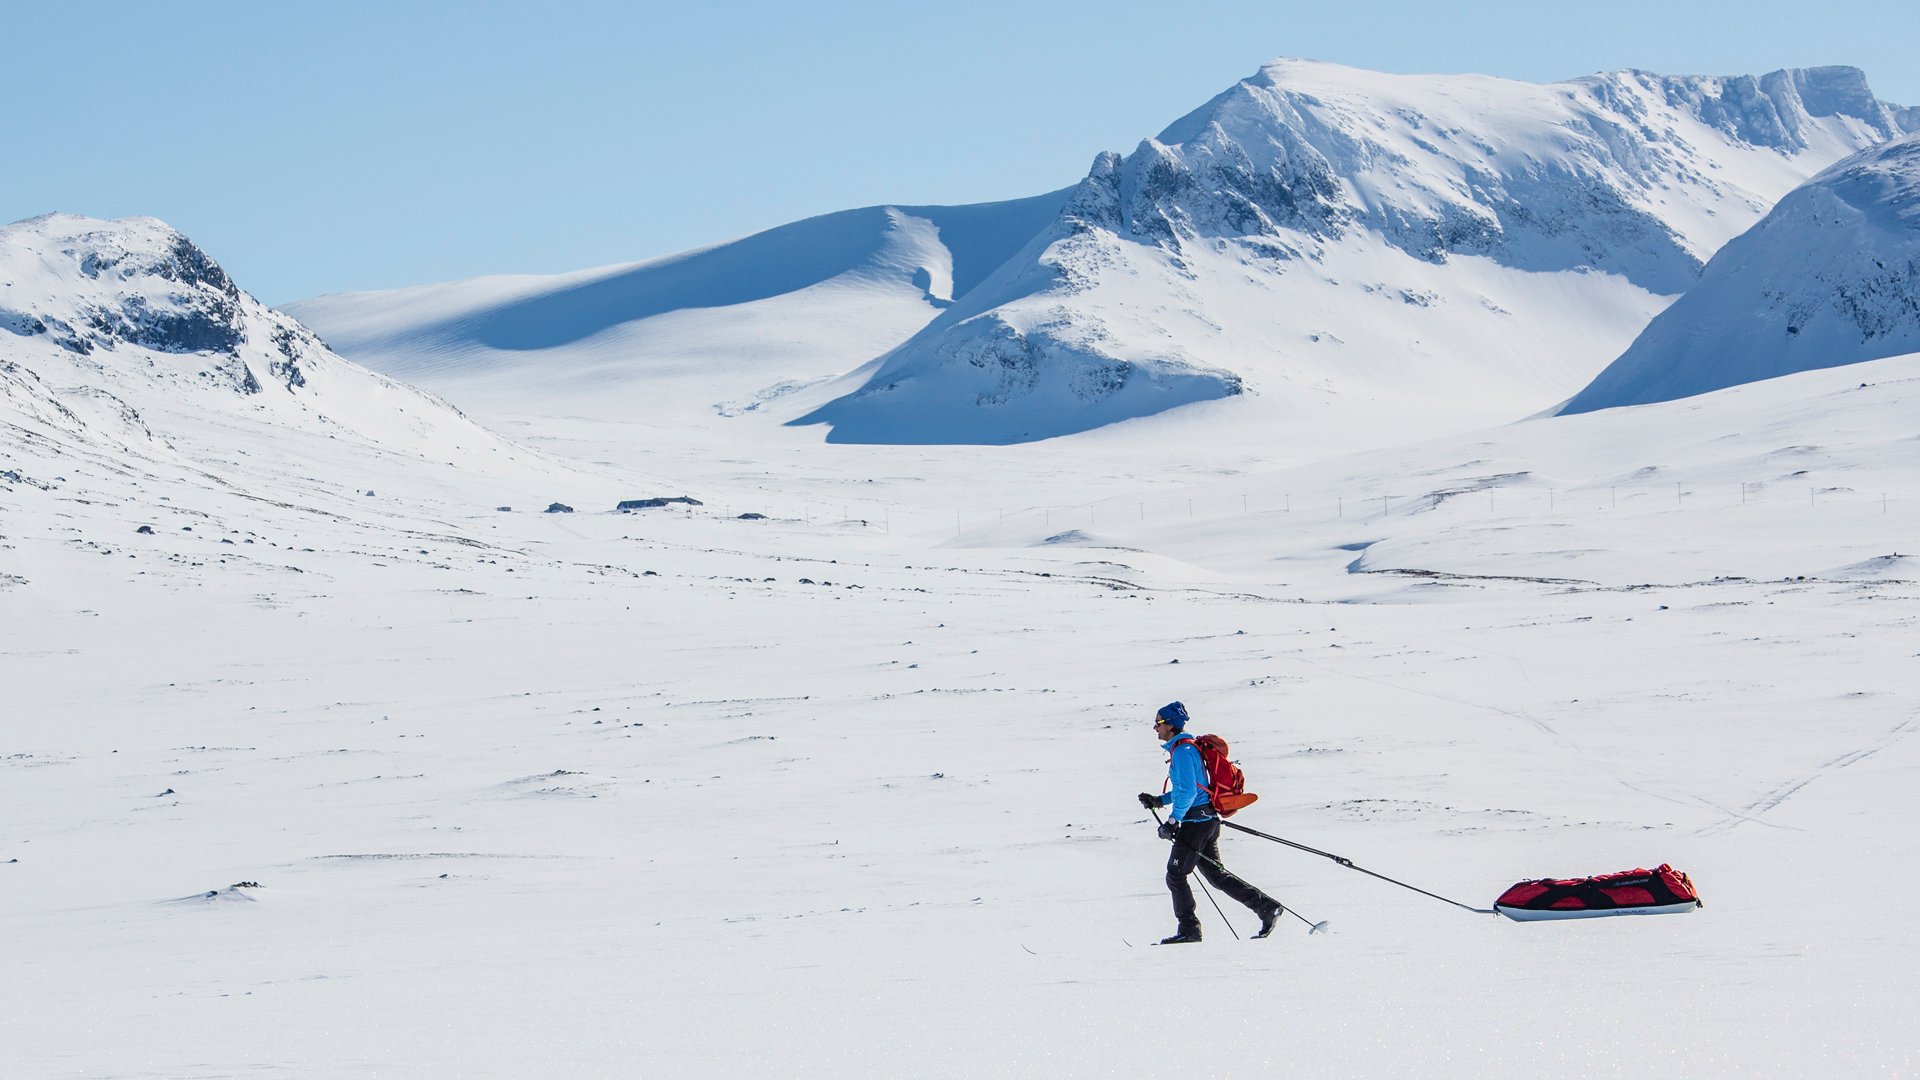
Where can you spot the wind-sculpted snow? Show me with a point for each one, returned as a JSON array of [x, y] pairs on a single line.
[[1830, 277], [774, 263], [878, 266], [1624, 179]]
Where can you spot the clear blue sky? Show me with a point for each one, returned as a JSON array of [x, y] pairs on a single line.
[[323, 147]]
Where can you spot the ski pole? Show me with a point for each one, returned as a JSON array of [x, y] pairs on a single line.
[[1348, 863], [1203, 882], [1312, 927]]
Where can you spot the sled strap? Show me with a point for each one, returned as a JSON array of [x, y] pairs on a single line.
[[1348, 863]]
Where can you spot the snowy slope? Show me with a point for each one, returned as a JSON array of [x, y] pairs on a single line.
[[140, 386], [599, 795], [1353, 239], [794, 303], [1808, 474], [1830, 277]]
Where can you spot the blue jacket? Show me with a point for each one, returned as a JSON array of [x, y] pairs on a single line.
[[1186, 781]]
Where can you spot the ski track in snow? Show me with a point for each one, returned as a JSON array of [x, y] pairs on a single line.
[[1753, 811]]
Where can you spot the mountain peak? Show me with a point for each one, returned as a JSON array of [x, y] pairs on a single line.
[[1539, 177], [123, 247], [1782, 110], [133, 313], [92, 284]]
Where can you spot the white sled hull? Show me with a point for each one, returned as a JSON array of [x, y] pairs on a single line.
[[1535, 915]]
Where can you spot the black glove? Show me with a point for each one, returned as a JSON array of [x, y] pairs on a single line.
[[1169, 830], [1150, 802]]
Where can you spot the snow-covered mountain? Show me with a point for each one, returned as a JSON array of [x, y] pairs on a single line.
[[1349, 237], [1332, 256], [1830, 277], [119, 326]]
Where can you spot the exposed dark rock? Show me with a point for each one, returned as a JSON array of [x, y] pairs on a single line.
[[287, 340], [652, 504], [21, 324]]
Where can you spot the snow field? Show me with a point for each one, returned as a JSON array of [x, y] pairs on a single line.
[[768, 876]]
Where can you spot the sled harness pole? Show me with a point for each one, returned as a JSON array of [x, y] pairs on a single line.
[[1203, 884], [1348, 863], [1312, 927]]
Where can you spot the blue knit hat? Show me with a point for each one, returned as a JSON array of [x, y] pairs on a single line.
[[1174, 715]]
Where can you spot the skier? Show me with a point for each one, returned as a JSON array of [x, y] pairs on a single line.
[[1195, 832]]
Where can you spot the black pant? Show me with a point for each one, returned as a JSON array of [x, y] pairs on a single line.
[[1197, 846]]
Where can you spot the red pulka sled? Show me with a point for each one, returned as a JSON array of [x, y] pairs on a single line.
[[1663, 891]]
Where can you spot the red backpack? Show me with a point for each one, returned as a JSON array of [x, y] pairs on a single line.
[[1226, 784]]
